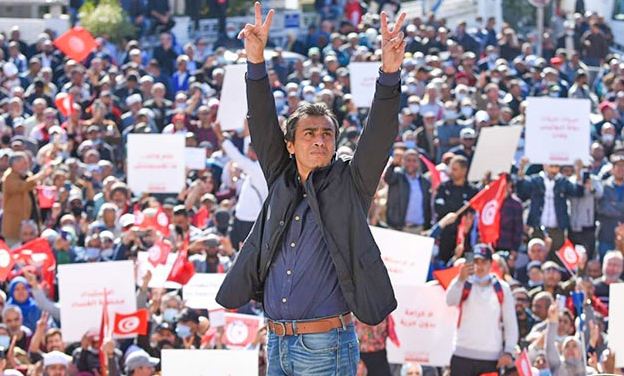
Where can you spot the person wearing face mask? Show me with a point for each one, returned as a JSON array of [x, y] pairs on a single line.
[[187, 329], [229, 39], [466, 147], [607, 137], [487, 329], [427, 137], [170, 307], [449, 129]]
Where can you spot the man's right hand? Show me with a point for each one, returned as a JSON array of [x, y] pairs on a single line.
[[256, 36], [465, 271]]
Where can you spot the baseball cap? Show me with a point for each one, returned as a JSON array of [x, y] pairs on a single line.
[[551, 265], [534, 264], [467, 133], [126, 220], [188, 315], [140, 358], [54, 358], [482, 251], [616, 158], [606, 104]]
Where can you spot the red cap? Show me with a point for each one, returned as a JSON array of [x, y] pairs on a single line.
[[606, 104], [556, 60]]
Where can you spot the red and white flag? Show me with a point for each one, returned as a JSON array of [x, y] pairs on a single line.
[[38, 253], [569, 256], [46, 195], [158, 253], [134, 323], [64, 103], [240, 330], [77, 43], [6, 261], [106, 334], [523, 364], [157, 221], [488, 203], [182, 270]]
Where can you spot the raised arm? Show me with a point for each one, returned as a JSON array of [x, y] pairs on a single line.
[[382, 125], [266, 134]]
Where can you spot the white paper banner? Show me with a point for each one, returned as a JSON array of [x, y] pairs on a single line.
[[233, 102], [616, 322], [195, 158], [363, 78], [494, 151], [209, 362], [406, 256], [425, 326], [200, 292], [81, 288], [156, 163], [557, 130]]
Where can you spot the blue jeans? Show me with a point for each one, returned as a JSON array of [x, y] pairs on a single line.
[[334, 353]]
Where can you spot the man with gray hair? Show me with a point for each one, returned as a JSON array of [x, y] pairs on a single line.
[[18, 196], [14, 320]]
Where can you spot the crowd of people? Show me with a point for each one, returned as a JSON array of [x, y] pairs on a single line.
[[455, 81]]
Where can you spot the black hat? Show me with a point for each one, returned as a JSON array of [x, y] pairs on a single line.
[[482, 251], [188, 315]]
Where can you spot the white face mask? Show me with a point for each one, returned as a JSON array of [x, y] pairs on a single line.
[[450, 114], [309, 97], [414, 108], [607, 138], [460, 96], [467, 111], [231, 34]]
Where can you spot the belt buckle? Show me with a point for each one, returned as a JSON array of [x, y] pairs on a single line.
[[277, 325]]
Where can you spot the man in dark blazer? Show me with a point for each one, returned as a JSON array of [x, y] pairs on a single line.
[[310, 257], [409, 195]]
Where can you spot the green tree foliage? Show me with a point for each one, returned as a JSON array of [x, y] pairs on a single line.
[[106, 18]]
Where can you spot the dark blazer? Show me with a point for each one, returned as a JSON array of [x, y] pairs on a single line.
[[533, 188], [398, 197], [339, 196]]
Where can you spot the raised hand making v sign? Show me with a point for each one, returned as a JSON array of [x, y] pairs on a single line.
[[392, 44], [256, 36]]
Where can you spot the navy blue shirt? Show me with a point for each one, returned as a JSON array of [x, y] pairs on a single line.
[[302, 282]]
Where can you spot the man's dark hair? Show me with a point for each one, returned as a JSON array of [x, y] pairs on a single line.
[[461, 160], [308, 109]]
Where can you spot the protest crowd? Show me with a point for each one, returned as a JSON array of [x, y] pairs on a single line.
[[66, 199]]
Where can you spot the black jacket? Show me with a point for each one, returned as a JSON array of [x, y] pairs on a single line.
[[339, 196], [398, 197]]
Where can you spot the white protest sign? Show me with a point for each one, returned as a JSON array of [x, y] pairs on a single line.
[[363, 78], [240, 330], [209, 362], [495, 151], [406, 256], [557, 130], [82, 287], [160, 272], [195, 158], [156, 163], [616, 322], [233, 102], [200, 292], [425, 326]]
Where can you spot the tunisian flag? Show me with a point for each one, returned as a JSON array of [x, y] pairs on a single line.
[[64, 103], [106, 334], [46, 195], [134, 323], [158, 221], [523, 364], [182, 270], [158, 253], [488, 203], [569, 256], [76, 43], [38, 253], [6, 261]]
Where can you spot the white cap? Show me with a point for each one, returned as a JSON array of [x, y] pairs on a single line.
[[126, 220], [9, 69], [55, 358], [132, 99]]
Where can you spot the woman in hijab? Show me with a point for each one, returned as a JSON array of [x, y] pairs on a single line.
[[569, 361], [19, 295]]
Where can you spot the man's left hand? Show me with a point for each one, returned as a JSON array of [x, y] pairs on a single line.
[[392, 44], [504, 361]]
